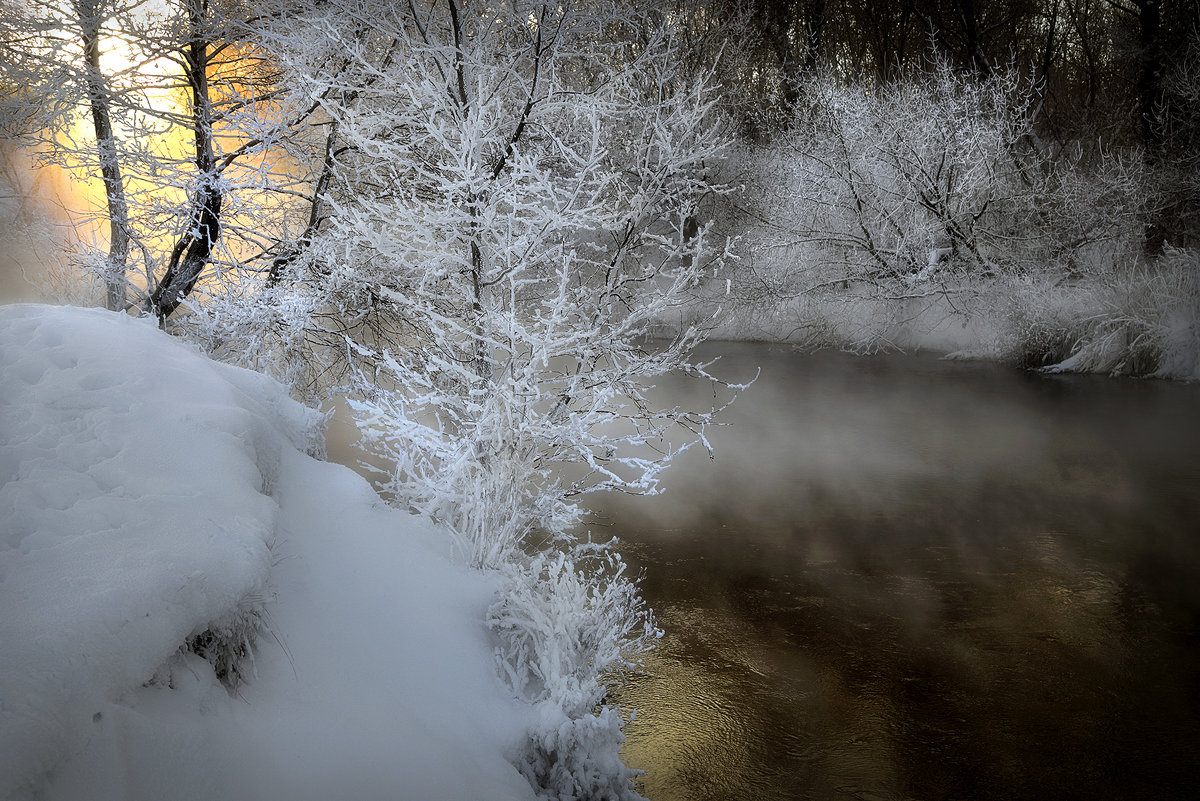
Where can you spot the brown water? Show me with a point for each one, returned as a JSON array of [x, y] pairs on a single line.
[[904, 578]]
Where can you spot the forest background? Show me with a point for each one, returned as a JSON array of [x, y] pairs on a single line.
[[1014, 178]]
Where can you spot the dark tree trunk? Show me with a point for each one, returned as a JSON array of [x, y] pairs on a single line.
[[193, 251], [191, 254], [316, 211], [1149, 71]]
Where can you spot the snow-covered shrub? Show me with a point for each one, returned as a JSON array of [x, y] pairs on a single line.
[[1142, 321], [572, 758], [271, 330], [913, 178], [566, 623], [927, 211], [71, 279], [1142, 328], [229, 643], [881, 200], [1035, 322], [1181, 356], [1091, 209], [937, 175]]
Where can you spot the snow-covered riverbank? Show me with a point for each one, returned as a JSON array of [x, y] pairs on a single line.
[[150, 496]]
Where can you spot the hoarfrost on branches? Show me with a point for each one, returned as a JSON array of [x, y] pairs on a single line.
[[511, 243]]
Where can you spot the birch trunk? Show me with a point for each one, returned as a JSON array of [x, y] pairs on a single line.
[[110, 164]]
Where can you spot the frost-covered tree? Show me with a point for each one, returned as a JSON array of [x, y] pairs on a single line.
[[919, 176], [50, 75], [508, 247], [939, 179], [510, 217], [251, 178], [173, 110], [886, 211]]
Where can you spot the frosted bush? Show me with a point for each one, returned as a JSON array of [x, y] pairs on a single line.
[[917, 177], [1181, 358], [229, 644], [926, 211], [568, 621], [1091, 212], [571, 758], [1140, 321], [69, 279]]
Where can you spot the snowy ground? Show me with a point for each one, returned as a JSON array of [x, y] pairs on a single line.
[[149, 494]]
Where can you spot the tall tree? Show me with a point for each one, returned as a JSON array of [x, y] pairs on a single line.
[[512, 214], [52, 68], [204, 173], [91, 19], [515, 188], [194, 248]]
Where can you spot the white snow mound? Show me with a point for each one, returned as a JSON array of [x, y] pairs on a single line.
[[145, 494]]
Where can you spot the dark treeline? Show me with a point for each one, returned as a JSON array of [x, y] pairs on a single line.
[[1100, 64]]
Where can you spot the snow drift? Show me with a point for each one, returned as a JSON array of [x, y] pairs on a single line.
[[152, 498]]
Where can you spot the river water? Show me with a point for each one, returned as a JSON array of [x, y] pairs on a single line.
[[908, 578]]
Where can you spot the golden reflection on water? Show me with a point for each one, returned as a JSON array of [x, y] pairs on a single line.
[[782, 699], [695, 733]]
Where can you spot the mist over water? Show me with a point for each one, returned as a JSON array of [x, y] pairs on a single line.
[[901, 577]]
